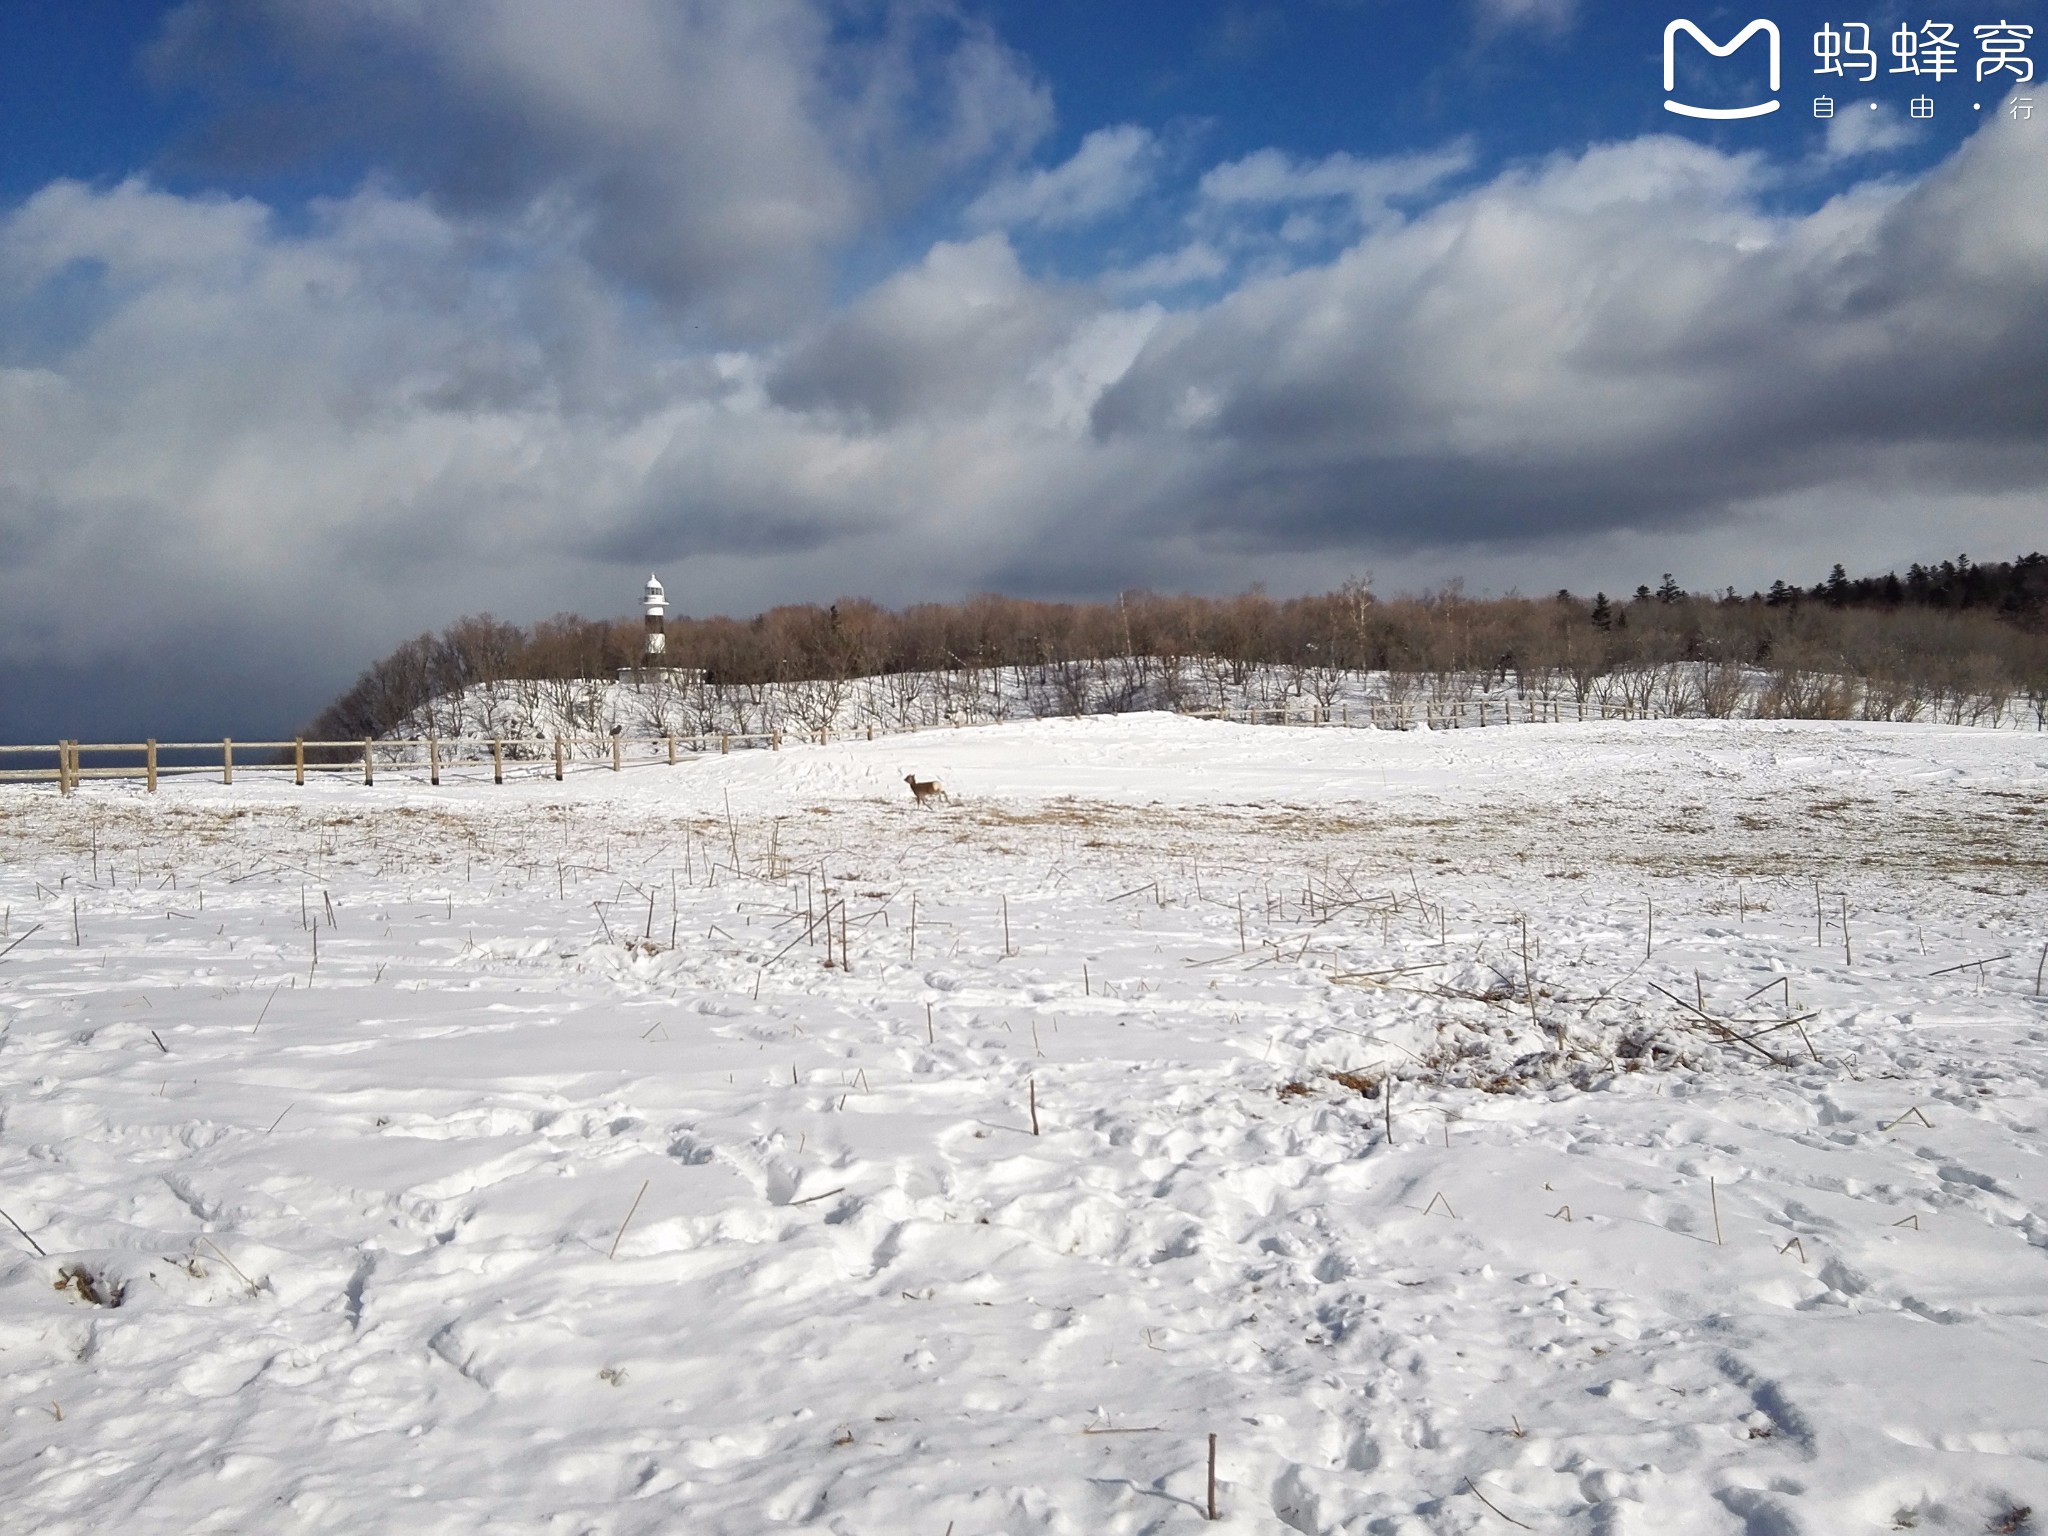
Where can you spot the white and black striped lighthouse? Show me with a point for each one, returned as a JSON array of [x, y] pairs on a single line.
[[657, 629]]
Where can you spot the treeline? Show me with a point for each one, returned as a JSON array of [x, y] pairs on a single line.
[[2015, 590], [1957, 629]]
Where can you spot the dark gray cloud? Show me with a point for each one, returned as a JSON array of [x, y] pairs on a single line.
[[716, 155], [1624, 338], [950, 336]]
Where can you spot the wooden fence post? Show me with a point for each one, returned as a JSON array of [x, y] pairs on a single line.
[[671, 749], [64, 767], [299, 761], [725, 743], [149, 763], [558, 759], [369, 770], [433, 760], [615, 753], [227, 760], [497, 761]]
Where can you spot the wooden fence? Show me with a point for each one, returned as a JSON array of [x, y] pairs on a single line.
[[146, 760]]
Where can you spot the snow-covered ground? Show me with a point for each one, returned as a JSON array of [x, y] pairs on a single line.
[[1709, 1196]]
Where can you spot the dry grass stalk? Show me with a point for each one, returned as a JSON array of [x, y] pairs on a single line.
[[614, 1253], [254, 1288], [1528, 978], [1967, 964], [20, 941], [1912, 1114], [1473, 1489], [1212, 1477], [24, 1236], [1809, 1041], [1723, 1027]]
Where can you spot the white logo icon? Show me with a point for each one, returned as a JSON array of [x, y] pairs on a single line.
[[1719, 51]]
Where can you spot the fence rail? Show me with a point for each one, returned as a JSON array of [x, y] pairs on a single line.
[[68, 768]]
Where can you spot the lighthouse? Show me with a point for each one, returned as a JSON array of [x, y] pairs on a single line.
[[657, 633]]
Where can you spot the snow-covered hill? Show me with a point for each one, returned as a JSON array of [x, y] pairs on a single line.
[[1599, 1128], [647, 707]]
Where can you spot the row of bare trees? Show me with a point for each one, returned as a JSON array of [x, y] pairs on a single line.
[[1683, 654]]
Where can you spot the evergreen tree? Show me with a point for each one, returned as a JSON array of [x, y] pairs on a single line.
[[1603, 611]]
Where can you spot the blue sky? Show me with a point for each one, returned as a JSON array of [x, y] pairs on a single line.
[[322, 324], [1312, 76]]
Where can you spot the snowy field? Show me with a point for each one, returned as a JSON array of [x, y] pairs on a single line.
[[1579, 1128]]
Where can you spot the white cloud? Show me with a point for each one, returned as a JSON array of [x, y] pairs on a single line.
[[1196, 262], [1866, 128], [1111, 169], [1268, 178]]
